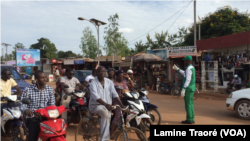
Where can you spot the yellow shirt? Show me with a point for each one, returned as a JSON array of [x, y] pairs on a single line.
[[6, 86]]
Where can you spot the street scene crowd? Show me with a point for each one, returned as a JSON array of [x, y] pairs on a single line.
[[83, 94]]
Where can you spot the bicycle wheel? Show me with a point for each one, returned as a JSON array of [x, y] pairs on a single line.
[[87, 132], [131, 134], [175, 91], [196, 94]]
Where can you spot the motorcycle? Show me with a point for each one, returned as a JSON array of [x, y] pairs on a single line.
[[11, 123], [164, 88], [137, 116], [230, 88], [150, 108], [52, 129], [78, 109]]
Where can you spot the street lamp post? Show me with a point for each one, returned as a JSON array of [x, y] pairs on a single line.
[[96, 23]]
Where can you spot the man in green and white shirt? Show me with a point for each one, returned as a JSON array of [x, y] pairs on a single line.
[[188, 88]]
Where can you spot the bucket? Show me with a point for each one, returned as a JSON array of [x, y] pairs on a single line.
[[148, 88], [51, 78]]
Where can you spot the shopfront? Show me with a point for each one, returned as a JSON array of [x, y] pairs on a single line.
[[231, 52], [79, 64]]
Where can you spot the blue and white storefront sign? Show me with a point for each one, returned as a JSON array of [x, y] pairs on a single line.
[[78, 62]]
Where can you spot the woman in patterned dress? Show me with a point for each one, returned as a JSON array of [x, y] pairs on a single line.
[[123, 84]]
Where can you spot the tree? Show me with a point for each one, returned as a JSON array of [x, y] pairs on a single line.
[[115, 42], [50, 48], [224, 21], [40, 45], [17, 45], [61, 54], [163, 40], [89, 44]]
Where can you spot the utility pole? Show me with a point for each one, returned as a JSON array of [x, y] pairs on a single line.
[[6, 45], [2, 53], [194, 22]]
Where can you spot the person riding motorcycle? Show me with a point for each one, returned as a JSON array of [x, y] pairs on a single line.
[[73, 83], [6, 83], [234, 85], [41, 96]]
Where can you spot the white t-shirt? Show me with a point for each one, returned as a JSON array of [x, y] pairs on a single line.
[[57, 72], [70, 82], [89, 78]]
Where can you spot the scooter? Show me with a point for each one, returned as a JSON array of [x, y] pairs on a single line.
[[150, 108], [137, 115], [11, 123], [54, 128], [78, 109]]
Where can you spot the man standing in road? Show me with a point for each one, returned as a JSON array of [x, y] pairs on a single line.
[[102, 91], [188, 88]]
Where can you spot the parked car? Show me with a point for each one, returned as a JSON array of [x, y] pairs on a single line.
[[16, 76], [239, 102], [82, 74]]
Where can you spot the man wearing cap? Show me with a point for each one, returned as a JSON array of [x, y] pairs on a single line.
[[236, 80], [188, 88]]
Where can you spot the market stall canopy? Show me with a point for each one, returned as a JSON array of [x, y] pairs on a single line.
[[148, 57]]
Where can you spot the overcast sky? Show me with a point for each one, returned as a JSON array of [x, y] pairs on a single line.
[[27, 21]]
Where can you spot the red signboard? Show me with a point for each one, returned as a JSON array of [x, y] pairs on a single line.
[[53, 60]]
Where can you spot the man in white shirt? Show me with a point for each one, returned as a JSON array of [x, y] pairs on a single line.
[[90, 77], [102, 91], [57, 74], [72, 82]]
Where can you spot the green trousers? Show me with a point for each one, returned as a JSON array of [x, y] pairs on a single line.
[[189, 106]]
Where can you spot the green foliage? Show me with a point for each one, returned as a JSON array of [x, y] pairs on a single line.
[[17, 45], [224, 21], [40, 45], [89, 45], [50, 48], [114, 41]]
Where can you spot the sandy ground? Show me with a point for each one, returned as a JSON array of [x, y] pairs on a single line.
[[209, 110]]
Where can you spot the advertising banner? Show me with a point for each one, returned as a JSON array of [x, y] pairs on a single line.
[[160, 53], [27, 57], [109, 58], [78, 62], [182, 51]]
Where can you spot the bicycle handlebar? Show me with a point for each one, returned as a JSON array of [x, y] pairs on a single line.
[[123, 109]]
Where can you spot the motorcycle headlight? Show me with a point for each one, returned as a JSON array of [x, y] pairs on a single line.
[[136, 95], [230, 96], [53, 113], [145, 92], [16, 113], [81, 94], [47, 132]]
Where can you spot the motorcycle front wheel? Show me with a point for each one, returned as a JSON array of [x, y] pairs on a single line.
[[155, 116], [17, 133]]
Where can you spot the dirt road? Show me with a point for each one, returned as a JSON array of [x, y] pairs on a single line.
[[207, 112]]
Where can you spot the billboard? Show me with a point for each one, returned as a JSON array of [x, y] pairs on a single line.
[[27, 57], [182, 51], [160, 53]]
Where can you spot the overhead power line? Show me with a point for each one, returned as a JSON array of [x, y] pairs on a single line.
[[161, 23]]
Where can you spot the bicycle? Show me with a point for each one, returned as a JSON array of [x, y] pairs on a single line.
[[176, 92], [90, 132]]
